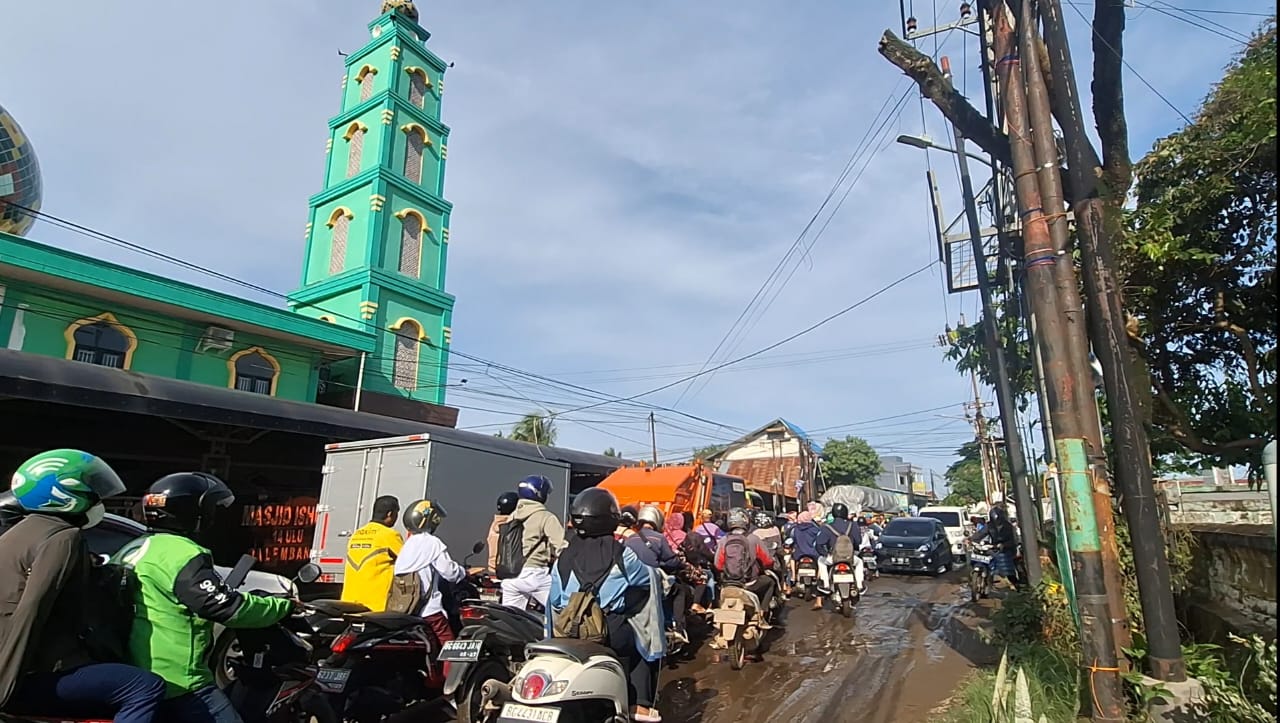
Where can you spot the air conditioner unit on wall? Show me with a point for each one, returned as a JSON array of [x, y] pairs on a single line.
[[215, 338]]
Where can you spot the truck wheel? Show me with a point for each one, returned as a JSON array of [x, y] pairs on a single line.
[[485, 670]]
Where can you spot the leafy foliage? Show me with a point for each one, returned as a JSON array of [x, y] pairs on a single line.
[[611, 452], [850, 461], [534, 429], [968, 348], [705, 453], [1199, 264]]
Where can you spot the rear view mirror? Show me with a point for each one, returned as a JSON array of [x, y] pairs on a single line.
[[240, 571], [476, 548], [308, 573]]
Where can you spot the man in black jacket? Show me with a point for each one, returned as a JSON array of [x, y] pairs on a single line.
[[45, 593]]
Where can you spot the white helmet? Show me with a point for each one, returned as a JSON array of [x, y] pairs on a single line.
[[651, 515]]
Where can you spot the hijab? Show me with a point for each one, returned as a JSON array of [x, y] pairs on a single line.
[[674, 529], [589, 559], [805, 517]]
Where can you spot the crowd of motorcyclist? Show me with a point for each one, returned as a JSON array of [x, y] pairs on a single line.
[[648, 572]]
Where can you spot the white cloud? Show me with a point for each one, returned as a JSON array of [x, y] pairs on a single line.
[[624, 177]]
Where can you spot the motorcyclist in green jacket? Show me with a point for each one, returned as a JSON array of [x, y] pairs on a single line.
[[181, 596]]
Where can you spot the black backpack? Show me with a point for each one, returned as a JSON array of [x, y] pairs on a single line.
[[511, 557], [110, 608]]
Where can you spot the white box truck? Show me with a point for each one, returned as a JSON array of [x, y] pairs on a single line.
[[463, 471]]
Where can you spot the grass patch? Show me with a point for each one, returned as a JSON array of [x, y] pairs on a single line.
[[1051, 680]]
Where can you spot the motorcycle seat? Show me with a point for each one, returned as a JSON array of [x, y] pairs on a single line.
[[579, 651], [337, 608], [389, 621]]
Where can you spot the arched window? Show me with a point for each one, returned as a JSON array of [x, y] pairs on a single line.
[[408, 339], [254, 370], [340, 223], [101, 342], [415, 141], [410, 243], [418, 85], [355, 148], [365, 78]]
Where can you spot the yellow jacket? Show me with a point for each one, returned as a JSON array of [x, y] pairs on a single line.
[[371, 559]]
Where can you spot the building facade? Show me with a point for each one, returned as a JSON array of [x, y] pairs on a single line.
[[778, 460]]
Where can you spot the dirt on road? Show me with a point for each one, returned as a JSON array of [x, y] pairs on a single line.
[[909, 643]]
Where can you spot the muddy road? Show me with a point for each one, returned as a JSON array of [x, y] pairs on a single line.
[[909, 643]]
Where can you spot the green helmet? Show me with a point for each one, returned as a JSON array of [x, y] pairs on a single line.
[[64, 482]]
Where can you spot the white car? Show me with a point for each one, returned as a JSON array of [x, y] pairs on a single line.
[[956, 523]]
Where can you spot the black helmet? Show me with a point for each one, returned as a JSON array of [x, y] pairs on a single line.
[[423, 516], [185, 502], [595, 513], [507, 502], [629, 516], [840, 511]]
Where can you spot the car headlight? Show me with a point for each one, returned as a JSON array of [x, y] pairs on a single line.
[[922, 548], [879, 545]]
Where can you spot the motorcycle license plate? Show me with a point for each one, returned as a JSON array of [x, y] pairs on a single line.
[[333, 680], [980, 559], [808, 572], [842, 578], [461, 651], [490, 596], [514, 712], [733, 617]]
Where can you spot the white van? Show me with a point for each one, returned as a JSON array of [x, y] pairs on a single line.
[[956, 522]]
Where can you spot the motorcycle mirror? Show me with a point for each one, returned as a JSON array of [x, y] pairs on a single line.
[[240, 571], [476, 548], [308, 573]]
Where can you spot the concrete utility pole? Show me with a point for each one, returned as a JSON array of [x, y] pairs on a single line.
[[1045, 265], [1132, 448], [653, 436], [1000, 370]]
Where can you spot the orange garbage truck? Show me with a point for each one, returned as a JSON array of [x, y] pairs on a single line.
[[688, 488]]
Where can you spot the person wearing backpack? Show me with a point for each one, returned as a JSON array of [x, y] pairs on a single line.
[[602, 592], [371, 556], [527, 545], [181, 596], [46, 596], [847, 539], [506, 505], [811, 540], [423, 562], [742, 559]]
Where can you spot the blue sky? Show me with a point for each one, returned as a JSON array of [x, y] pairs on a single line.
[[624, 177]]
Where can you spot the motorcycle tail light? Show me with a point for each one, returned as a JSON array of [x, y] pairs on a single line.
[[533, 685], [471, 613], [342, 643], [841, 567]]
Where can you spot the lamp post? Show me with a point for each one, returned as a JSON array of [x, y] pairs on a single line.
[[926, 143]]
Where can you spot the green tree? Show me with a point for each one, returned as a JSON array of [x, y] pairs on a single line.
[[611, 452], [964, 477], [850, 461], [705, 453], [1198, 266], [534, 429]]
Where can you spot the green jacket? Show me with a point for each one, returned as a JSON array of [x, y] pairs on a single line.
[[180, 597]]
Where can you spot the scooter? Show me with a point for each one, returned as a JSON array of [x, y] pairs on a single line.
[[807, 576], [490, 646], [870, 569], [844, 587], [737, 622], [564, 681], [980, 557]]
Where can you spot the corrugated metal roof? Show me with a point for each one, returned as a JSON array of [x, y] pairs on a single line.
[[796, 430]]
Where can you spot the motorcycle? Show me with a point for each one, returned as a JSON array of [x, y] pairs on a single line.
[[564, 681], [807, 576], [737, 622], [870, 569], [980, 558], [844, 587], [490, 646]]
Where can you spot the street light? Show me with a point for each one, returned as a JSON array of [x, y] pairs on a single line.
[[926, 142]]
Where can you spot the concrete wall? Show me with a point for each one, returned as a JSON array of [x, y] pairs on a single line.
[[1217, 508], [1236, 569]]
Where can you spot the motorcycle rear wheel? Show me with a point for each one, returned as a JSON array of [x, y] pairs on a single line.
[[737, 655], [846, 608], [469, 702], [975, 584]]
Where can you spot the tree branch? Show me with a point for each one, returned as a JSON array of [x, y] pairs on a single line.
[[1108, 97], [921, 68], [1247, 350]]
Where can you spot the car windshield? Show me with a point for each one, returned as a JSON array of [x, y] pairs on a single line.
[[948, 519], [909, 528]]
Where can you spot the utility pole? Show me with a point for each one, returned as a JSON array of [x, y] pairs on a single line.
[[1066, 385], [1000, 371], [653, 437], [1131, 446], [990, 475]]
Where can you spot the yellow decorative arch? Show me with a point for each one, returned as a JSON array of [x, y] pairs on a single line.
[[422, 220], [415, 70], [422, 334], [231, 366], [354, 128], [366, 70], [327, 318], [337, 212], [110, 319], [415, 128]]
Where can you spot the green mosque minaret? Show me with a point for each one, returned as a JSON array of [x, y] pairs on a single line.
[[377, 233]]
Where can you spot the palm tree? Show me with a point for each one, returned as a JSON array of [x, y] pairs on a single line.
[[535, 429]]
